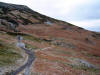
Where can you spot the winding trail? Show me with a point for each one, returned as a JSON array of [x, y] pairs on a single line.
[[27, 65]]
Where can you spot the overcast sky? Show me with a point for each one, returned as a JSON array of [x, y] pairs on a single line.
[[83, 13]]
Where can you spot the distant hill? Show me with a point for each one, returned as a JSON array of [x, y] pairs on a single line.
[[73, 50]]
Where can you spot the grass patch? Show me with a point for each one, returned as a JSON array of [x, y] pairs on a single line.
[[32, 38], [7, 54], [30, 46]]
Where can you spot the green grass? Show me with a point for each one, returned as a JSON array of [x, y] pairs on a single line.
[[7, 54], [30, 46], [32, 38]]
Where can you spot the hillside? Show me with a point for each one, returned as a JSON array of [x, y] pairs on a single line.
[[60, 47]]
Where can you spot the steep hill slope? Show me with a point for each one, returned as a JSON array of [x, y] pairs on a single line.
[[71, 49]]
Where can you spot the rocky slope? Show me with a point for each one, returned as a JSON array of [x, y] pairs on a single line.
[[73, 50]]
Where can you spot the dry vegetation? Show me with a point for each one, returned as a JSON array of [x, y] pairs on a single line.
[[74, 50], [8, 51]]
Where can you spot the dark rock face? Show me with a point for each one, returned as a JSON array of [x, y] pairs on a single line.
[[7, 7], [96, 35], [20, 14], [8, 25], [7, 15]]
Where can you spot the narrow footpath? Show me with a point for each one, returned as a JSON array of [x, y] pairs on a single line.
[[27, 65]]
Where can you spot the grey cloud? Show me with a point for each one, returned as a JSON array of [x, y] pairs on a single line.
[[86, 12], [95, 28]]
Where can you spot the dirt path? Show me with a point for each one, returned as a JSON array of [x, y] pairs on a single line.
[[27, 65]]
